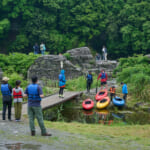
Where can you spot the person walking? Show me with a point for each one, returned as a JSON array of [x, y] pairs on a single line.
[[35, 94], [104, 78], [18, 99], [112, 92], [62, 82], [6, 90], [104, 52], [89, 79], [124, 91], [42, 48]]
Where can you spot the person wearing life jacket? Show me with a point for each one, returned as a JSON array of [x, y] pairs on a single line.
[[89, 79], [124, 91], [112, 92], [104, 78], [35, 94], [62, 83], [6, 90], [18, 99]]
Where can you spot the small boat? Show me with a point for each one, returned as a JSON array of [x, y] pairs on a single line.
[[103, 103], [101, 94], [88, 104], [118, 101]]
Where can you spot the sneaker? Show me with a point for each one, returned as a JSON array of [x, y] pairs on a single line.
[[46, 134], [60, 95]]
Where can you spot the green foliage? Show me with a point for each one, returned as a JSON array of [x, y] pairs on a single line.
[[123, 26], [13, 77], [79, 84], [136, 72], [67, 55], [17, 62]]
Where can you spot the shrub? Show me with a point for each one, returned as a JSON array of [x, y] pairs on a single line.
[[67, 55]]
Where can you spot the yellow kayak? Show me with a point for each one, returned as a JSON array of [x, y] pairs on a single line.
[[103, 103]]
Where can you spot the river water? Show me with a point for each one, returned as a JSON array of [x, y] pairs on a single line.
[[72, 111]]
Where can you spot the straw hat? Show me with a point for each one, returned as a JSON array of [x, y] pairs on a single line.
[[5, 79]]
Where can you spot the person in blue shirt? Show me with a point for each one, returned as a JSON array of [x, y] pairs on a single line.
[[62, 83], [35, 95], [36, 48], [6, 91], [124, 90], [89, 79]]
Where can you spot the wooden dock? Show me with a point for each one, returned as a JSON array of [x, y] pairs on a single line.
[[53, 100]]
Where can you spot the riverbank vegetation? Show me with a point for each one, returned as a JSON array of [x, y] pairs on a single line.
[[135, 71], [123, 26]]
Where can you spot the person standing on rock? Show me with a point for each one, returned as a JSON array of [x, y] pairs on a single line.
[[104, 78], [42, 48], [124, 91], [36, 48], [104, 52], [18, 99], [6, 90], [35, 95], [62, 83], [89, 79]]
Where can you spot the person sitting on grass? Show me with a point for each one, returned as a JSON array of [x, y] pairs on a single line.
[[35, 95], [18, 99]]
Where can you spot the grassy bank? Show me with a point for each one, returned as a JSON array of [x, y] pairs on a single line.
[[99, 136]]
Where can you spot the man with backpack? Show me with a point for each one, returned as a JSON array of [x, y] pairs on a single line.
[[104, 78], [6, 90], [89, 79], [42, 48]]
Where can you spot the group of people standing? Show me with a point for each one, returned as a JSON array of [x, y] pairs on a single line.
[[104, 77], [39, 49], [34, 93], [104, 54]]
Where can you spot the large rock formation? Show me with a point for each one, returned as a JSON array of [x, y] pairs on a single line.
[[48, 67], [108, 66], [81, 57], [81, 61]]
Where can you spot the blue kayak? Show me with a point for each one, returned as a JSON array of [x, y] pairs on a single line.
[[118, 101]]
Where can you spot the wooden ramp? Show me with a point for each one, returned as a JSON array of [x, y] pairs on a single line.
[[53, 100]]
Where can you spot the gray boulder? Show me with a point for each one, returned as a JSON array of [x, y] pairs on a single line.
[[81, 56], [49, 66]]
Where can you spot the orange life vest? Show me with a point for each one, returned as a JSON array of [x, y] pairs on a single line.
[[17, 95], [112, 90]]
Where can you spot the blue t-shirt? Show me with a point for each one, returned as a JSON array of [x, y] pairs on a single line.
[[34, 103]]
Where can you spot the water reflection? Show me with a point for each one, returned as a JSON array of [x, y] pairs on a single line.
[[72, 111], [20, 146]]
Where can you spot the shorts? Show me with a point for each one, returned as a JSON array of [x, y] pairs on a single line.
[[103, 83]]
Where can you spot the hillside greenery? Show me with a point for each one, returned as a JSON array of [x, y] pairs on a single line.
[[135, 71], [122, 25]]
